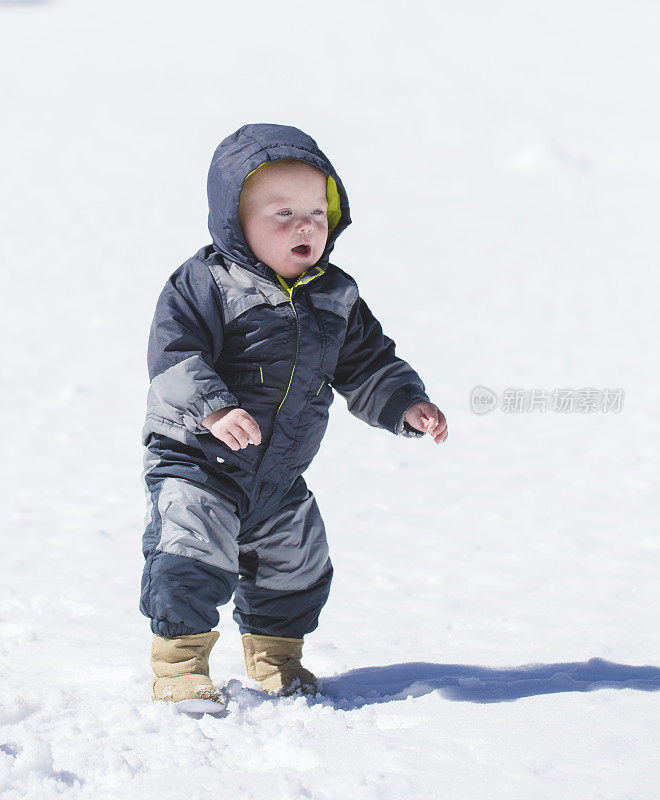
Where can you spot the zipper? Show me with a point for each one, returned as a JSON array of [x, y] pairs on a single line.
[[289, 293], [293, 369]]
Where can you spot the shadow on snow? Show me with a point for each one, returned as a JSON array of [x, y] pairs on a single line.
[[369, 685]]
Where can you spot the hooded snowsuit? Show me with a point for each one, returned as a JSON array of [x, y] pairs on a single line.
[[228, 331]]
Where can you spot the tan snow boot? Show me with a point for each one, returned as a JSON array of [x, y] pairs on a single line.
[[181, 667], [274, 661]]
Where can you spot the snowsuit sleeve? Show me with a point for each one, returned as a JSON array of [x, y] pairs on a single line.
[[184, 343], [378, 386]]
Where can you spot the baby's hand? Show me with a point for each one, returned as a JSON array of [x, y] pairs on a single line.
[[428, 418], [233, 426]]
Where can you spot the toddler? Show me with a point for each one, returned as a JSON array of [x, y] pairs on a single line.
[[250, 338]]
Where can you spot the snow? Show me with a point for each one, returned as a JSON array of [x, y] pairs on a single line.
[[492, 626]]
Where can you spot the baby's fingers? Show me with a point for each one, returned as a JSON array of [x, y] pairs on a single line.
[[236, 430], [245, 430], [435, 424], [439, 435], [251, 428], [230, 440]]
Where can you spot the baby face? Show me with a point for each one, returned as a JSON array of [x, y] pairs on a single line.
[[283, 214]]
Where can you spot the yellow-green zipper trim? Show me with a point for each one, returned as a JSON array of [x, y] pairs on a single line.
[[289, 293], [304, 278]]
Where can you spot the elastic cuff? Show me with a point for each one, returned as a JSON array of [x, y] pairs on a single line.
[[206, 405], [391, 417], [162, 627], [404, 429]]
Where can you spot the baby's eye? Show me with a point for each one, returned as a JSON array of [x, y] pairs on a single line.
[[318, 211], [284, 212]]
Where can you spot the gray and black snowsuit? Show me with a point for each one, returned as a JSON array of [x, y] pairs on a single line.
[[228, 331]]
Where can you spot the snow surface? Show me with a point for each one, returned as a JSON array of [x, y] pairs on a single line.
[[495, 606]]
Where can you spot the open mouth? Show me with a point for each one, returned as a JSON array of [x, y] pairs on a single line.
[[302, 250]]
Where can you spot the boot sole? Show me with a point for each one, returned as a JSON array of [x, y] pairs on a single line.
[[198, 706]]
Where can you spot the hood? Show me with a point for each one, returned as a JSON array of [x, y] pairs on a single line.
[[243, 152]]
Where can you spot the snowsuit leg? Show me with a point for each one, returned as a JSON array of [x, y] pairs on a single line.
[[205, 528], [285, 566], [189, 544]]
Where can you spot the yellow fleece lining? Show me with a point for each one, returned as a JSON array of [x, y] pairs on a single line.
[[334, 204], [304, 278]]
